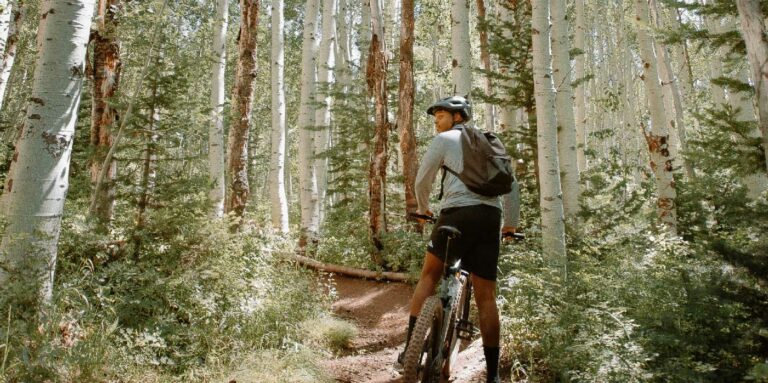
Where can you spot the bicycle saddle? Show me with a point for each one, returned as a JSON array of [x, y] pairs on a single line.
[[451, 231]]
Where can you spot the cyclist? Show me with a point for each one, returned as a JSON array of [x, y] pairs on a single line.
[[477, 217]]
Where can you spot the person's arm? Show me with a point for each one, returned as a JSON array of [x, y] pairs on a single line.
[[425, 177], [511, 204]]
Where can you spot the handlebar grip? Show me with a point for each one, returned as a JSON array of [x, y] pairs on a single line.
[[516, 236], [424, 217]]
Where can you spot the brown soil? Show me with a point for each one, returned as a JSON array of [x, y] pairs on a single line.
[[380, 311]]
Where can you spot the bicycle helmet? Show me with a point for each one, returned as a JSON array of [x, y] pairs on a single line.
[[453, 104]]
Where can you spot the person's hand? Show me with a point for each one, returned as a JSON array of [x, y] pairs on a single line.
[[422, 220], [507, 231]]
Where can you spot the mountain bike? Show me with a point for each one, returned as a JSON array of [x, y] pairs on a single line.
[[443, 320]]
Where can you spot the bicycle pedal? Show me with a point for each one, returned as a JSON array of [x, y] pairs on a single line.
[[466, 330]]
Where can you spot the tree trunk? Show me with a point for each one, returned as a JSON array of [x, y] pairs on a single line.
[[551, 197], [460, 48], [306, 121], [278, 198], [323, 100], [106, 79], [216, 165], [242, 107], [38, 178], [148, 174], [658, 136], [405, 113], [16, 13], [580, 72], [376, 76], [753, 31], [364, 35], [715, 62], [342, 47], [485, 58], [566, 130]]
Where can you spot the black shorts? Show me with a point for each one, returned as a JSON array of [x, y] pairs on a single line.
[[478, 246]]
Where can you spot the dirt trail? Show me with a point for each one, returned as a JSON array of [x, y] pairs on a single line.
[[380, 311]]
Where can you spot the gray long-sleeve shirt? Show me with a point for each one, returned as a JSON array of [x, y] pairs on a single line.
[[445, 149]]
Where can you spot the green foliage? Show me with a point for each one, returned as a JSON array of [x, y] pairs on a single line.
[[330, 332]]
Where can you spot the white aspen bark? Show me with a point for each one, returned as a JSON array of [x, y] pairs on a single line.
[[580, 72], [38, 178], [485, 58], [277, 194], [658, 136], [342, 47], [460, 48], [566, 131], [323, 99], [364, 35], [756, 183], [307, 176], [216, 165], [507, 114], [753, 30], [15, 9], [5, 24], [715, 63], [551, 197]]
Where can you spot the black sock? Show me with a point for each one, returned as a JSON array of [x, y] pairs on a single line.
[[491, 361], [411, 324]]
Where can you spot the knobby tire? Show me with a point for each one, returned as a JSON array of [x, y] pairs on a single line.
[[423, 345]]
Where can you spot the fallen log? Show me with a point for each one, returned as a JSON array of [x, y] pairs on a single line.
[[349, 271]]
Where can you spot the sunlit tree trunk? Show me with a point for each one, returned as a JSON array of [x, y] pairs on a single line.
[[323, 99], [307, 176], [15, 11], [216, 165], [580, 72], [38, 178], [551, 197], [756, 183], [507, 113], [278, 198], [485, 58], [658, 135], [405, 111], [460, 48], [364, 34], [376, 77], [715, 62], [566, 130], [342, 46], [753, 30], [106, 79], [242, 107]]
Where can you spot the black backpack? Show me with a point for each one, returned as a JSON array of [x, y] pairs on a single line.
[[487, 166]]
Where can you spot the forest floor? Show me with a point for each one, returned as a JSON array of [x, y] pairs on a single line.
[[380, 312]]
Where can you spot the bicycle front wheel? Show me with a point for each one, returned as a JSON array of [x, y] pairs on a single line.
[[425, 344]]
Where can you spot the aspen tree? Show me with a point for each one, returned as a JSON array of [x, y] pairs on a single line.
[[38, 179], [580, 98], [566, 129], [277, 171], [485, 58], [551, 197], [508, 114], [342, 47], [715, 62], [756, 183], [323, 99], [658, 136], [106, 79], [460, 48], [364, 33], [307, 176], [405, 111], [216, 166], [15, 12], [242, 108], [376, 76], [753, 31]]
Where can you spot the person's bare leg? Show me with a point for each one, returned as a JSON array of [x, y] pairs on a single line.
[[430, 275], [485, 298]]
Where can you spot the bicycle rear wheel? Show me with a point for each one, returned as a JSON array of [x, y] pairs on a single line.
[[425, 343], [452, 342]]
